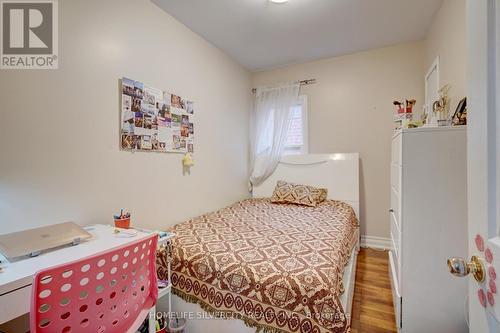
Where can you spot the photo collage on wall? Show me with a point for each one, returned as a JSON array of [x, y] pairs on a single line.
[[153, 120]]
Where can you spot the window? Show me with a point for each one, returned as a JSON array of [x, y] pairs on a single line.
[[297, 140]]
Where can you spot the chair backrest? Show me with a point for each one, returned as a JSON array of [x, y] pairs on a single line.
[[109, 292]]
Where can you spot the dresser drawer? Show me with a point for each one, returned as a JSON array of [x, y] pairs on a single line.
[[396, 177], [395, 286], [395, 205], [396, 244], [395, 232], [396, 149]]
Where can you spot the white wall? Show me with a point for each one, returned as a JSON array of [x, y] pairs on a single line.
[[350, 110], [59, 129], [446, 39], [350, 107]]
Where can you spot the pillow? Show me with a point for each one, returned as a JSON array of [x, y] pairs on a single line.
[[323, 193], [298, 194]]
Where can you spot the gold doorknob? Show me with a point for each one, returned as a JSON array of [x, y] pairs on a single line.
[[460, 267]]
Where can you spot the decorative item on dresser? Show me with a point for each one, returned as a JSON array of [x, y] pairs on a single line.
[[460, 116], [428, 221], [441, 107], [403, 114]]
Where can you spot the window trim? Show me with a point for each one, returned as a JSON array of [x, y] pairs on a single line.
[[304, 148]]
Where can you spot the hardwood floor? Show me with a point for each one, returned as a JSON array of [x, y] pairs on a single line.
[[372, 308]]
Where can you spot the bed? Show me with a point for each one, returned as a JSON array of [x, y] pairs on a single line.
[[273, 267]]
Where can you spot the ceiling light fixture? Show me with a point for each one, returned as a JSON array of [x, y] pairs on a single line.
[[278, 1]]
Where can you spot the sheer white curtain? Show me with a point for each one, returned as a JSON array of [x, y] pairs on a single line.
[[269, 124]]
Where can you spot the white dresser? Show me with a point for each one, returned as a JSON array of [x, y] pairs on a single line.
[[428, 221]]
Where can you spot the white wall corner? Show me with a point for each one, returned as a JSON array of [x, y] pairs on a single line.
[[376, 242]]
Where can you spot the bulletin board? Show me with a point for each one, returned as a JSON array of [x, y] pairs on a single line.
[[154, 120]]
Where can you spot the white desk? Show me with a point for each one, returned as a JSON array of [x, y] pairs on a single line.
[[16, 277]]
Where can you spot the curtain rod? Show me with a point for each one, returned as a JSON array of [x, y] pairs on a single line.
[[302, 83]]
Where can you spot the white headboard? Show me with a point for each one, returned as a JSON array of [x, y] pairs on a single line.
[[339, 173]]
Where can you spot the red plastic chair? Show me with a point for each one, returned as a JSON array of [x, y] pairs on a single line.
[[110, 292]]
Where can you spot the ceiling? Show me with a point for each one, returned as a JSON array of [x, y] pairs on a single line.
[[262, 35]]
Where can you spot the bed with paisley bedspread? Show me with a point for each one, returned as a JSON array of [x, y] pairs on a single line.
[[277, 267]]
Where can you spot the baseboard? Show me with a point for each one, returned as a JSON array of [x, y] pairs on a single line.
[[376, 242]]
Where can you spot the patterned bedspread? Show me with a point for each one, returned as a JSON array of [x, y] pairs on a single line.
[[278, 267]]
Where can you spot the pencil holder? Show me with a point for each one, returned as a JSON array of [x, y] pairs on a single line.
[[123, 223]]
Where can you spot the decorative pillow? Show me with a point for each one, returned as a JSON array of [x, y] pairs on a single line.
[[298, 194], [323, 193]]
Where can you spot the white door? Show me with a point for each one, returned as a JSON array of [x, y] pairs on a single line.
[[483, 68], [432, 86]]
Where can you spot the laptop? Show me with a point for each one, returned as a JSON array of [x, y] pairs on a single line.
[[32, 242]]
